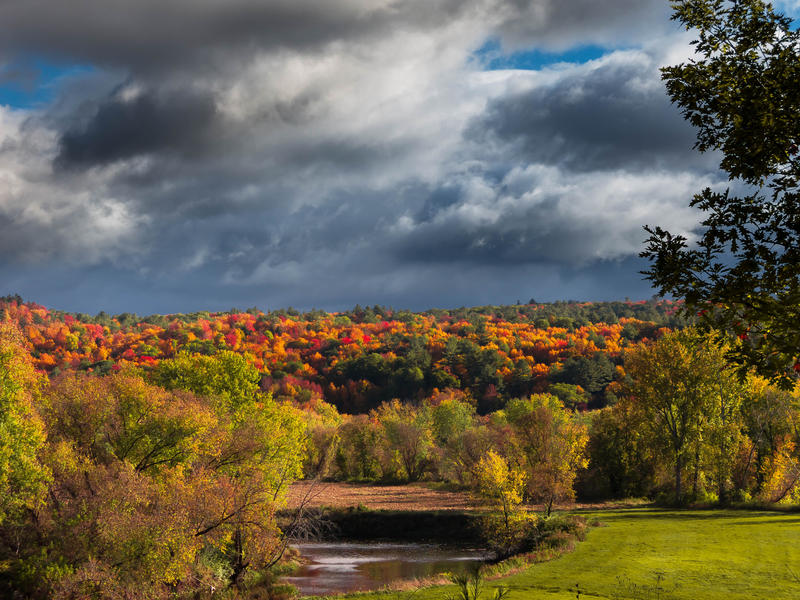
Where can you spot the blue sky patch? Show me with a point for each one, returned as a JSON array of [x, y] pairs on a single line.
[[30, 83], [492, 57]]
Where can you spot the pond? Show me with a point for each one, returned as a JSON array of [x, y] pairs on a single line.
[[335, 567]]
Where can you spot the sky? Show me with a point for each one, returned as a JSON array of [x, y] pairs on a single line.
[[182, 155]]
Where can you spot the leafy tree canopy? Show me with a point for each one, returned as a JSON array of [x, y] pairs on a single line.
[[227, 377], [21, 434], [592, 374], [742, 93], [675, 386]]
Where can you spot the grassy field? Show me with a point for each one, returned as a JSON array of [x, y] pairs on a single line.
[[645, 553]]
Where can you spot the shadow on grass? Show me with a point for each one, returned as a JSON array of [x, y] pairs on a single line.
[[764, 520], [678, 514]]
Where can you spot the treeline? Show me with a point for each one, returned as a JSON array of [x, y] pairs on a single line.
[[443, 439], [688, 428], [683, 428], [360, 359], [568, 314]]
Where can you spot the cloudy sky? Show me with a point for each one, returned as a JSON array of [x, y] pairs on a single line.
[[179, 155]]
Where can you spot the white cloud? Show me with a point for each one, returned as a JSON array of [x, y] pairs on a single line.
[[45, 217]]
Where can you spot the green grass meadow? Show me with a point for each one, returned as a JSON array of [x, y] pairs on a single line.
[[644, 553]]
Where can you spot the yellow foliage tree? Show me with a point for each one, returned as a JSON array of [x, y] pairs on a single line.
[[551, 442], [22, 476]]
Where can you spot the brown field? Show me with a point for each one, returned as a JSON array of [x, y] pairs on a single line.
[[387, 497], [414, 496]]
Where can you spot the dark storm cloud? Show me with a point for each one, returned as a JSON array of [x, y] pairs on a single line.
[[153, 36], [547, 216], [198, 178], [614, 116], [149, 123], [161, 41], [524, 234], [438, 200]]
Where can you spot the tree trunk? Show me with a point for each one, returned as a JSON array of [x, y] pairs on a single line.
[[239, 564], [722, 491], [722, 483], [678, 490], [722, 475]]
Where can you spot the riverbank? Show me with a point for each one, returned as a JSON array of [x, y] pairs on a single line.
[[450, 527], [402, 550]]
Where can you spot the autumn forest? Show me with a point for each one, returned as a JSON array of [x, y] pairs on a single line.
[[148, 457]]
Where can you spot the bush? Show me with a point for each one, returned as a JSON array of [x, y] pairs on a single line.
[[529, 533], [520, 535]]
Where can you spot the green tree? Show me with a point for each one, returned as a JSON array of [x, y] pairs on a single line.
[[619, 451], [357, 452], [466, 451], [725, 434], [571, 396], [119, 514], [592, 374], [226, 377], [742, 93], [146, 480], [122, 418], [408, 433], [322, 424], [673, 385], [451, 416], [260, 455]]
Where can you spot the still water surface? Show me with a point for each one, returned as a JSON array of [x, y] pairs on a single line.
[[334, 567]]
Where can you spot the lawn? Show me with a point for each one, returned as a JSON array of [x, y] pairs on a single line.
[[667, 555]]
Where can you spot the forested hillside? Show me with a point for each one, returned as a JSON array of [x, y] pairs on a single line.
[[358, 359], [152, 453]]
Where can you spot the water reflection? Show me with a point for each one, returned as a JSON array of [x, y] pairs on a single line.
[[335, 567]]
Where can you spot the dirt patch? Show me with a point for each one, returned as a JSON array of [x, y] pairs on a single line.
[[377, 497], [415, 496]]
